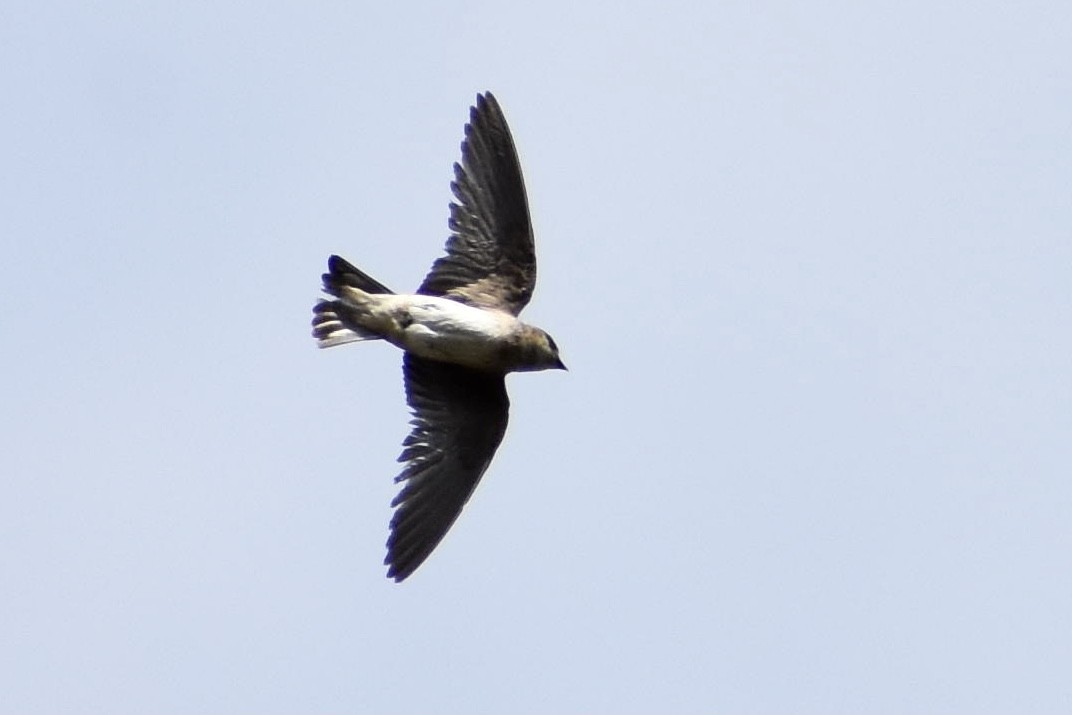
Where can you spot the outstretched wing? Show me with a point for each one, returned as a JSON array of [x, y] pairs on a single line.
[[491, 259], [459, 418]]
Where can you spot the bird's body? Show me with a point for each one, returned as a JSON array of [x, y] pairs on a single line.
[[446, 330], [460, 334], [449, 331]]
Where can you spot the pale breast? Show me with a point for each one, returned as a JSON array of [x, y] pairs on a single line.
[[446, 330]]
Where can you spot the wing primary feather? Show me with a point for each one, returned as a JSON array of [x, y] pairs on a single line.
[[460, 417]]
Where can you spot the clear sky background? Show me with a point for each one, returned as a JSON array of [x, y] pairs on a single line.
[[810, 265]]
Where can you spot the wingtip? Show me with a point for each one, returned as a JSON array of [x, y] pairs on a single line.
[[485, 104], [396, 576], [398, 570]]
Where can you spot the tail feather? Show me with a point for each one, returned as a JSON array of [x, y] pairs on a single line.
[[343, 273], [336, 322]]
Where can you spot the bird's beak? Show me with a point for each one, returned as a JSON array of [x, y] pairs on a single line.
[[559, 365]]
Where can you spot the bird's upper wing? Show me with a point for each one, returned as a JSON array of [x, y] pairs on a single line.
[[459, 418], [491, 259]]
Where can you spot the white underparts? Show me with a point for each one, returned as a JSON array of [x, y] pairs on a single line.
[[429, 326], [444, 329]]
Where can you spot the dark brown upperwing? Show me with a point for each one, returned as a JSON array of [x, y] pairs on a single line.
[[459, 418], [491, 258]]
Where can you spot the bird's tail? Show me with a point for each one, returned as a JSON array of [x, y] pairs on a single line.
[[337, 322]]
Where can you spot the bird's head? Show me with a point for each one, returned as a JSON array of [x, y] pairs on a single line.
[[538, 351]]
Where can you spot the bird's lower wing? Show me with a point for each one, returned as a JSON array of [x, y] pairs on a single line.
[[459, 418]]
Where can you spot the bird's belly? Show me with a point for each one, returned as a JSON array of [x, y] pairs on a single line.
[[445, 330]]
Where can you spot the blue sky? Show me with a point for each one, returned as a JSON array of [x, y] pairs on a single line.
[[810, 266]]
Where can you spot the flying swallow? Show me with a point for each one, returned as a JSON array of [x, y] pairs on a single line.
[[460, 334]]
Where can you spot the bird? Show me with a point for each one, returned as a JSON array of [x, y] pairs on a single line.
[[460, 335]]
